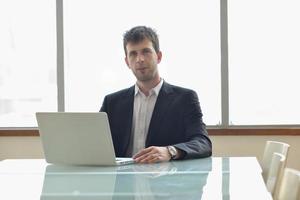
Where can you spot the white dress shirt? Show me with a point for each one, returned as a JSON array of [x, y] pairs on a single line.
[[142, 113]]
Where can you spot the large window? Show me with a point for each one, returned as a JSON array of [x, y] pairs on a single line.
[[264, 62], [27, 61], [189, 37], [263, 56]]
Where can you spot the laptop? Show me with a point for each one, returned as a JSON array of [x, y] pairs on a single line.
[[73, 138]]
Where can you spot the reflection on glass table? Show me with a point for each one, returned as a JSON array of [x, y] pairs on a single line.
[[216, 178], [170, 180], [62, 185]]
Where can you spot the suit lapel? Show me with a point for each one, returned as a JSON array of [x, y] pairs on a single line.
[[127, 117], [161, 106]]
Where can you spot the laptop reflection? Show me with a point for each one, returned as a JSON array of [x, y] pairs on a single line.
[[74, 182]]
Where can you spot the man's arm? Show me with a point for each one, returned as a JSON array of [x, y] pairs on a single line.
[[198, 144], [195, 140]]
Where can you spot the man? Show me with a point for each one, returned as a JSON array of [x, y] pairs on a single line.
[[154, 121]]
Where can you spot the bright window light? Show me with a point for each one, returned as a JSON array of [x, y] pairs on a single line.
[[27, 61], [264, 62], [189, 35]]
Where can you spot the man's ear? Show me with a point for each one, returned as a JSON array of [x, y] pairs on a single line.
[[159, 56]]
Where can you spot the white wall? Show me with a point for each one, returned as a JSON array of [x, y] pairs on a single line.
[[30, 147]]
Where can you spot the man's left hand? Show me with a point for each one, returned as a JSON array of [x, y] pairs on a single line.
[[152, 154]]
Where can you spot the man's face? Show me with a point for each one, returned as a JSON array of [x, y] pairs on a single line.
[[142, 59]]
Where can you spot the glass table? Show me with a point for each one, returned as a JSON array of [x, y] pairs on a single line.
[[215, 178]]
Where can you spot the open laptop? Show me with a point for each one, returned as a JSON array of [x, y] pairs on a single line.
[[74, 138]]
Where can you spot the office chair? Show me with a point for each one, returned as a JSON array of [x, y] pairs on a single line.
[[275, 174], [290, 186], [270, 148]]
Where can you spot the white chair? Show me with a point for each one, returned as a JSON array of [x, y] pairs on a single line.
[[270, 148], [290, 185], [275, 173]]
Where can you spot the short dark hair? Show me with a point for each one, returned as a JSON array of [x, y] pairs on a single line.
[[138, 34]]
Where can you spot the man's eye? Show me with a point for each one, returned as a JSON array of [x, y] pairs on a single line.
[[146, 51], [132, 54]]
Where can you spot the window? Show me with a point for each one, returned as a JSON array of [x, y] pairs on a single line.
[[263, 56], [189, 35], [264, 63], [27, 61]]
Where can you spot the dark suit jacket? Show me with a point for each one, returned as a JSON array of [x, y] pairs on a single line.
[[176, 120]]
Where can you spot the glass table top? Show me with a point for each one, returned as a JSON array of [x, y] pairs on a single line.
[[209, 178]]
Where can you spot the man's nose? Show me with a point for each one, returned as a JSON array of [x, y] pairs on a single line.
[[140, 57]]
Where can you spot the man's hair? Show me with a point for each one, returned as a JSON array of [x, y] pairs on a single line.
[[138, 34]]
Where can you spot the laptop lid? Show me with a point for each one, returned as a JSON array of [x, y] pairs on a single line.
[[77, 138]]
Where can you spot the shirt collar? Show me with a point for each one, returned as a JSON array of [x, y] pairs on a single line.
[[154, 90]]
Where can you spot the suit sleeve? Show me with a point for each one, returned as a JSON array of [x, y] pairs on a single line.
[[198, 144]]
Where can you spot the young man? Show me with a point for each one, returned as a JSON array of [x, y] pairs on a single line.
[[154, 121]]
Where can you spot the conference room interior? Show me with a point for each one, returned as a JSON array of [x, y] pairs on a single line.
[[241, 57]]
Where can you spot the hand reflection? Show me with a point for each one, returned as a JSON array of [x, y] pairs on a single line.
[[174, 180], [143, 181], [155, 170]]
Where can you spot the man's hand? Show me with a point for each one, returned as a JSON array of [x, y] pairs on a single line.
[[152, 154]]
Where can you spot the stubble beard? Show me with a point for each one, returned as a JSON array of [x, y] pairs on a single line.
[[147, 76]]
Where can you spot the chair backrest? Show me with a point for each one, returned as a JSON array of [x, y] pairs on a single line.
[[290, 185], [270, 148], [275, 173]]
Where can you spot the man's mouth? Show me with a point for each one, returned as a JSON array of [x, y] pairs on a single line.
[[142, 68]]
